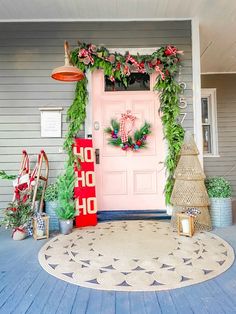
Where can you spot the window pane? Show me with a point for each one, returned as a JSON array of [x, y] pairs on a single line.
[[205, 110], [206, 139], [136, 82]]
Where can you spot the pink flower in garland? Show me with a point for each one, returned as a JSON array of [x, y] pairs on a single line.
[[92, 48], [83, 53], [111, 58], [126, 70], [87, 60]]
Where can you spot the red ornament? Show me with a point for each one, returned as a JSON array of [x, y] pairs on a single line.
[[118, 66], [139, 143], [141, 64]]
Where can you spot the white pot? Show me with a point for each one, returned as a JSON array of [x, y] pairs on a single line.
[[185, 225], [18, 235]]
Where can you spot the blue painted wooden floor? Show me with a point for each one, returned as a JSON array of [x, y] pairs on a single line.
[[26, 288]]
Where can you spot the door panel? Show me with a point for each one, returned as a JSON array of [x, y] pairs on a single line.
[[126, 179]]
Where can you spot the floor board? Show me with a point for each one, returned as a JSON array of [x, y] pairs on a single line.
[[26, 288]]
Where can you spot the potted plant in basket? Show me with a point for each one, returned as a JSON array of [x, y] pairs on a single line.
[[219, 191], [17, 216], [66, 207], [51, 203]]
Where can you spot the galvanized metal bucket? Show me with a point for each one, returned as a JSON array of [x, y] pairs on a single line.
[[221, 212], [66, 226]]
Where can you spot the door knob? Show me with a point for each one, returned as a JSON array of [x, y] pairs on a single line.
[[97, 156]]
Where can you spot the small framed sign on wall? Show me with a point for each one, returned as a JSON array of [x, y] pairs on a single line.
[[51, 121]]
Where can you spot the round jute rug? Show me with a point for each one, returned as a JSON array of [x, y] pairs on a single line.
[[135, 256]]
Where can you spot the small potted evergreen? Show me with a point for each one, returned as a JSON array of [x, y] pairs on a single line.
[[17, 216], [219, 191], [66, 207], [51, 203]]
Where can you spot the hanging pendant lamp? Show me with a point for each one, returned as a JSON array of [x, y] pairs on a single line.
[[67, 72]]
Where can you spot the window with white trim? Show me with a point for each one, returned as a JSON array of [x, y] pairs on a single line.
[[209, 122]]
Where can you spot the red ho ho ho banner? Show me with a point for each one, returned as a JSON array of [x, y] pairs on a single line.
[[85, 193]]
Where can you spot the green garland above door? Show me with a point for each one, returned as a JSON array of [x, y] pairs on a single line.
[[164, 61]]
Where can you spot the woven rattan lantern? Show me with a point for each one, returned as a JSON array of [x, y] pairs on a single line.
[[189, 189]]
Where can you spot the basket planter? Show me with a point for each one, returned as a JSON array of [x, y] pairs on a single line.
[[66, 226], [221, 212], [50, 208]]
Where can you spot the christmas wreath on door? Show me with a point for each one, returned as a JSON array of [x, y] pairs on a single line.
[[120, 133]]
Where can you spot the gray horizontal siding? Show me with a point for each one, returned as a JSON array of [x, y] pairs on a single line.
[[225, 165], [29, 52]]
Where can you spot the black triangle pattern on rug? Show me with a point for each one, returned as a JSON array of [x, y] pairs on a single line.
[[93, 281], [124, 284], [185, 278], [86, 261], [53, 265], [156, 283], [171, 269], [138, 268], [102, 271], [166, 266], [74, 253], [207, 271], [109, 267], [126, 272], [68, 274]]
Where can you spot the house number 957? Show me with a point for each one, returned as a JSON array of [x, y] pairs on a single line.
[[182, 103]]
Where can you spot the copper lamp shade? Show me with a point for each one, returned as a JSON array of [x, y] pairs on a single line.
[[67, 72]]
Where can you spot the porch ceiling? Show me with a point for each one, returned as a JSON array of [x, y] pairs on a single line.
[[217, 20]]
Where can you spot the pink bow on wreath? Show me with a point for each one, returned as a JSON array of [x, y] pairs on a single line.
[[124, 118]]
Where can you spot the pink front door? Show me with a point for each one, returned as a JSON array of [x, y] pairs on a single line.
[[126, 179]]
